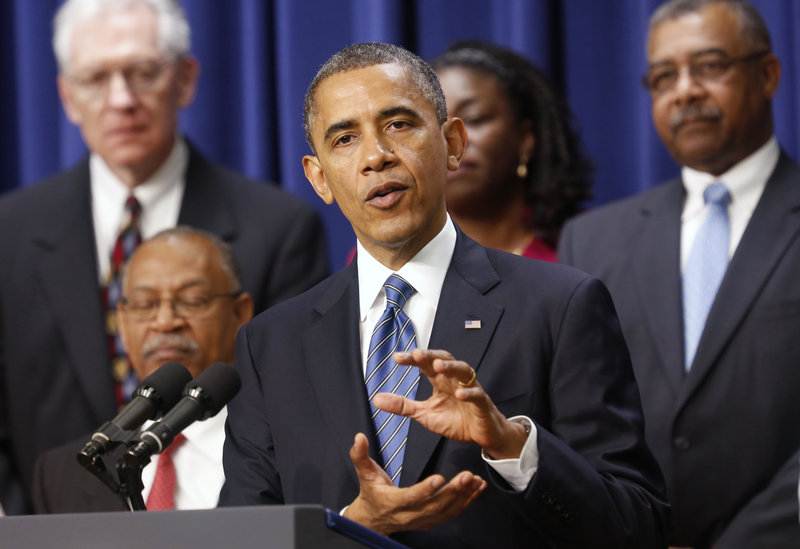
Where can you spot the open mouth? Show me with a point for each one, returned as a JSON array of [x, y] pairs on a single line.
[[386, 195]]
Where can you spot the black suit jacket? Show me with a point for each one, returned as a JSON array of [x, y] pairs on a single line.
[[727, 433], [61, 485], [55, 377], [549, 347]]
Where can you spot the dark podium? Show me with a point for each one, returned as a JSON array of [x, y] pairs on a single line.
[[262, 527]]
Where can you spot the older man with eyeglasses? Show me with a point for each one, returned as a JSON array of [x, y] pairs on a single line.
[[704, 272], [182, 301], [125, 72]]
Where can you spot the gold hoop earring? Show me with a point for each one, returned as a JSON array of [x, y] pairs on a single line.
[[522, 167]]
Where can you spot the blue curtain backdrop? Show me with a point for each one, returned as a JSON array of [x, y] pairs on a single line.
[[258, 56]]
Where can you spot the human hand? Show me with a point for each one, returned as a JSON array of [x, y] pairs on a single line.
[[385, 508], [459, 408]]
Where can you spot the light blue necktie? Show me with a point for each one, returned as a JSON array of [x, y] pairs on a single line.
[[393, 332], [705, 267]]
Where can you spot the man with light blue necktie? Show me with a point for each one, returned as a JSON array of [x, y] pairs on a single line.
[[704, 274]]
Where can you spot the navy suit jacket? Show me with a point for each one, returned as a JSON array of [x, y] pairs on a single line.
[[549, 347], [727, 433], [55, 377]]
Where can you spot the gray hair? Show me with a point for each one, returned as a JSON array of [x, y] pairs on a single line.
[[367, 54], [173, 27], [229, 264], [753, 28]]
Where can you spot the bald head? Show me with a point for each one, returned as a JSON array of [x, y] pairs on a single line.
[[182, 301]]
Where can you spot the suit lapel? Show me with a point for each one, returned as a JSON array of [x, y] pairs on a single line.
[[774, 225], [469, 277], [332, 356], [68, 275], [658, 278], [203, 205]]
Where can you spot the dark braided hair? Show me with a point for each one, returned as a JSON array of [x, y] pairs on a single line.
[[559, 175]]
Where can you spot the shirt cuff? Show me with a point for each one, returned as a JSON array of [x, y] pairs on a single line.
[[518, 472]]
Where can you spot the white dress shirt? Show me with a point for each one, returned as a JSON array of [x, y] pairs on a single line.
[[160, 197], [745, 181], [426, 272], [198, 465]]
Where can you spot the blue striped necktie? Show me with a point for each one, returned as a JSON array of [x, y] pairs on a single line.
[[705, 267], [393, 332]]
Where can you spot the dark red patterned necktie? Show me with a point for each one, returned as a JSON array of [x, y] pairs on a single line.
[[128, 240], [162, 494]]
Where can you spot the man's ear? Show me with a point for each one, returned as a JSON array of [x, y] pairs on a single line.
[[65, 92], [243, 308], [122, 324], [771, 73], [188, 70], [455, 134], [315, 176]]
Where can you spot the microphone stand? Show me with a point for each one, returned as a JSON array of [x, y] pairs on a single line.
[[129, 470], [130, 485]]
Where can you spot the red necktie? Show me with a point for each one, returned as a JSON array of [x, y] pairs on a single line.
[[162, 494]]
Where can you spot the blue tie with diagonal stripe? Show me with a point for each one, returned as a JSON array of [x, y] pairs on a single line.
[[393, 332], [705, 267]]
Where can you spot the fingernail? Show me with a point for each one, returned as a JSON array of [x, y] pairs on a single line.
[[437, 482]]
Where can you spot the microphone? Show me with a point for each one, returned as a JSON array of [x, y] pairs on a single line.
[[156, 394], [204, 396]]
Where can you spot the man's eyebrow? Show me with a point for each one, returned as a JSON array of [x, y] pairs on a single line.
[[193, 283], [386, 113], [693, 55], [338, 126], [395, 111]]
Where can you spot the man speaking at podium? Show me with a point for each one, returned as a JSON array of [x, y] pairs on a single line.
[[182, 301], [526, 428]]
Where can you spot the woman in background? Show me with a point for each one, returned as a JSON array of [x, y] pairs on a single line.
[[523, 173]]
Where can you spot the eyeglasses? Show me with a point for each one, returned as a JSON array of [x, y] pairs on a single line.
[[140, 77], [184, 306], [707, 67]]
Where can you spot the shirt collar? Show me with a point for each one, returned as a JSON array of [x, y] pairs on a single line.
[[425, 271], [747, 176], [111, 190]]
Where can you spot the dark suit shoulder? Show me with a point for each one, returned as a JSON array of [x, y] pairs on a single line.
[[277, 238], [305, 303], [46, 194], [62, 485], [247, 192], [533, 278], [618, 211]]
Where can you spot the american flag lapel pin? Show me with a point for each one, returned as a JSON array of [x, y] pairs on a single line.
[[472, 324]]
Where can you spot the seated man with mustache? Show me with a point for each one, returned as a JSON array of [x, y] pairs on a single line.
[[182, 301]]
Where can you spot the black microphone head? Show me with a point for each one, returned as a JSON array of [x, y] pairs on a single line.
[[215, 387], [164, 386]]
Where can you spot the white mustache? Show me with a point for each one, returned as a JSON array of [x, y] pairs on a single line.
[[693, 111], [170, 340]]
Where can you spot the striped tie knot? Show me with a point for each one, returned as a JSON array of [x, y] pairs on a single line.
[[397, 291], [393, 332], [133, 207]]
